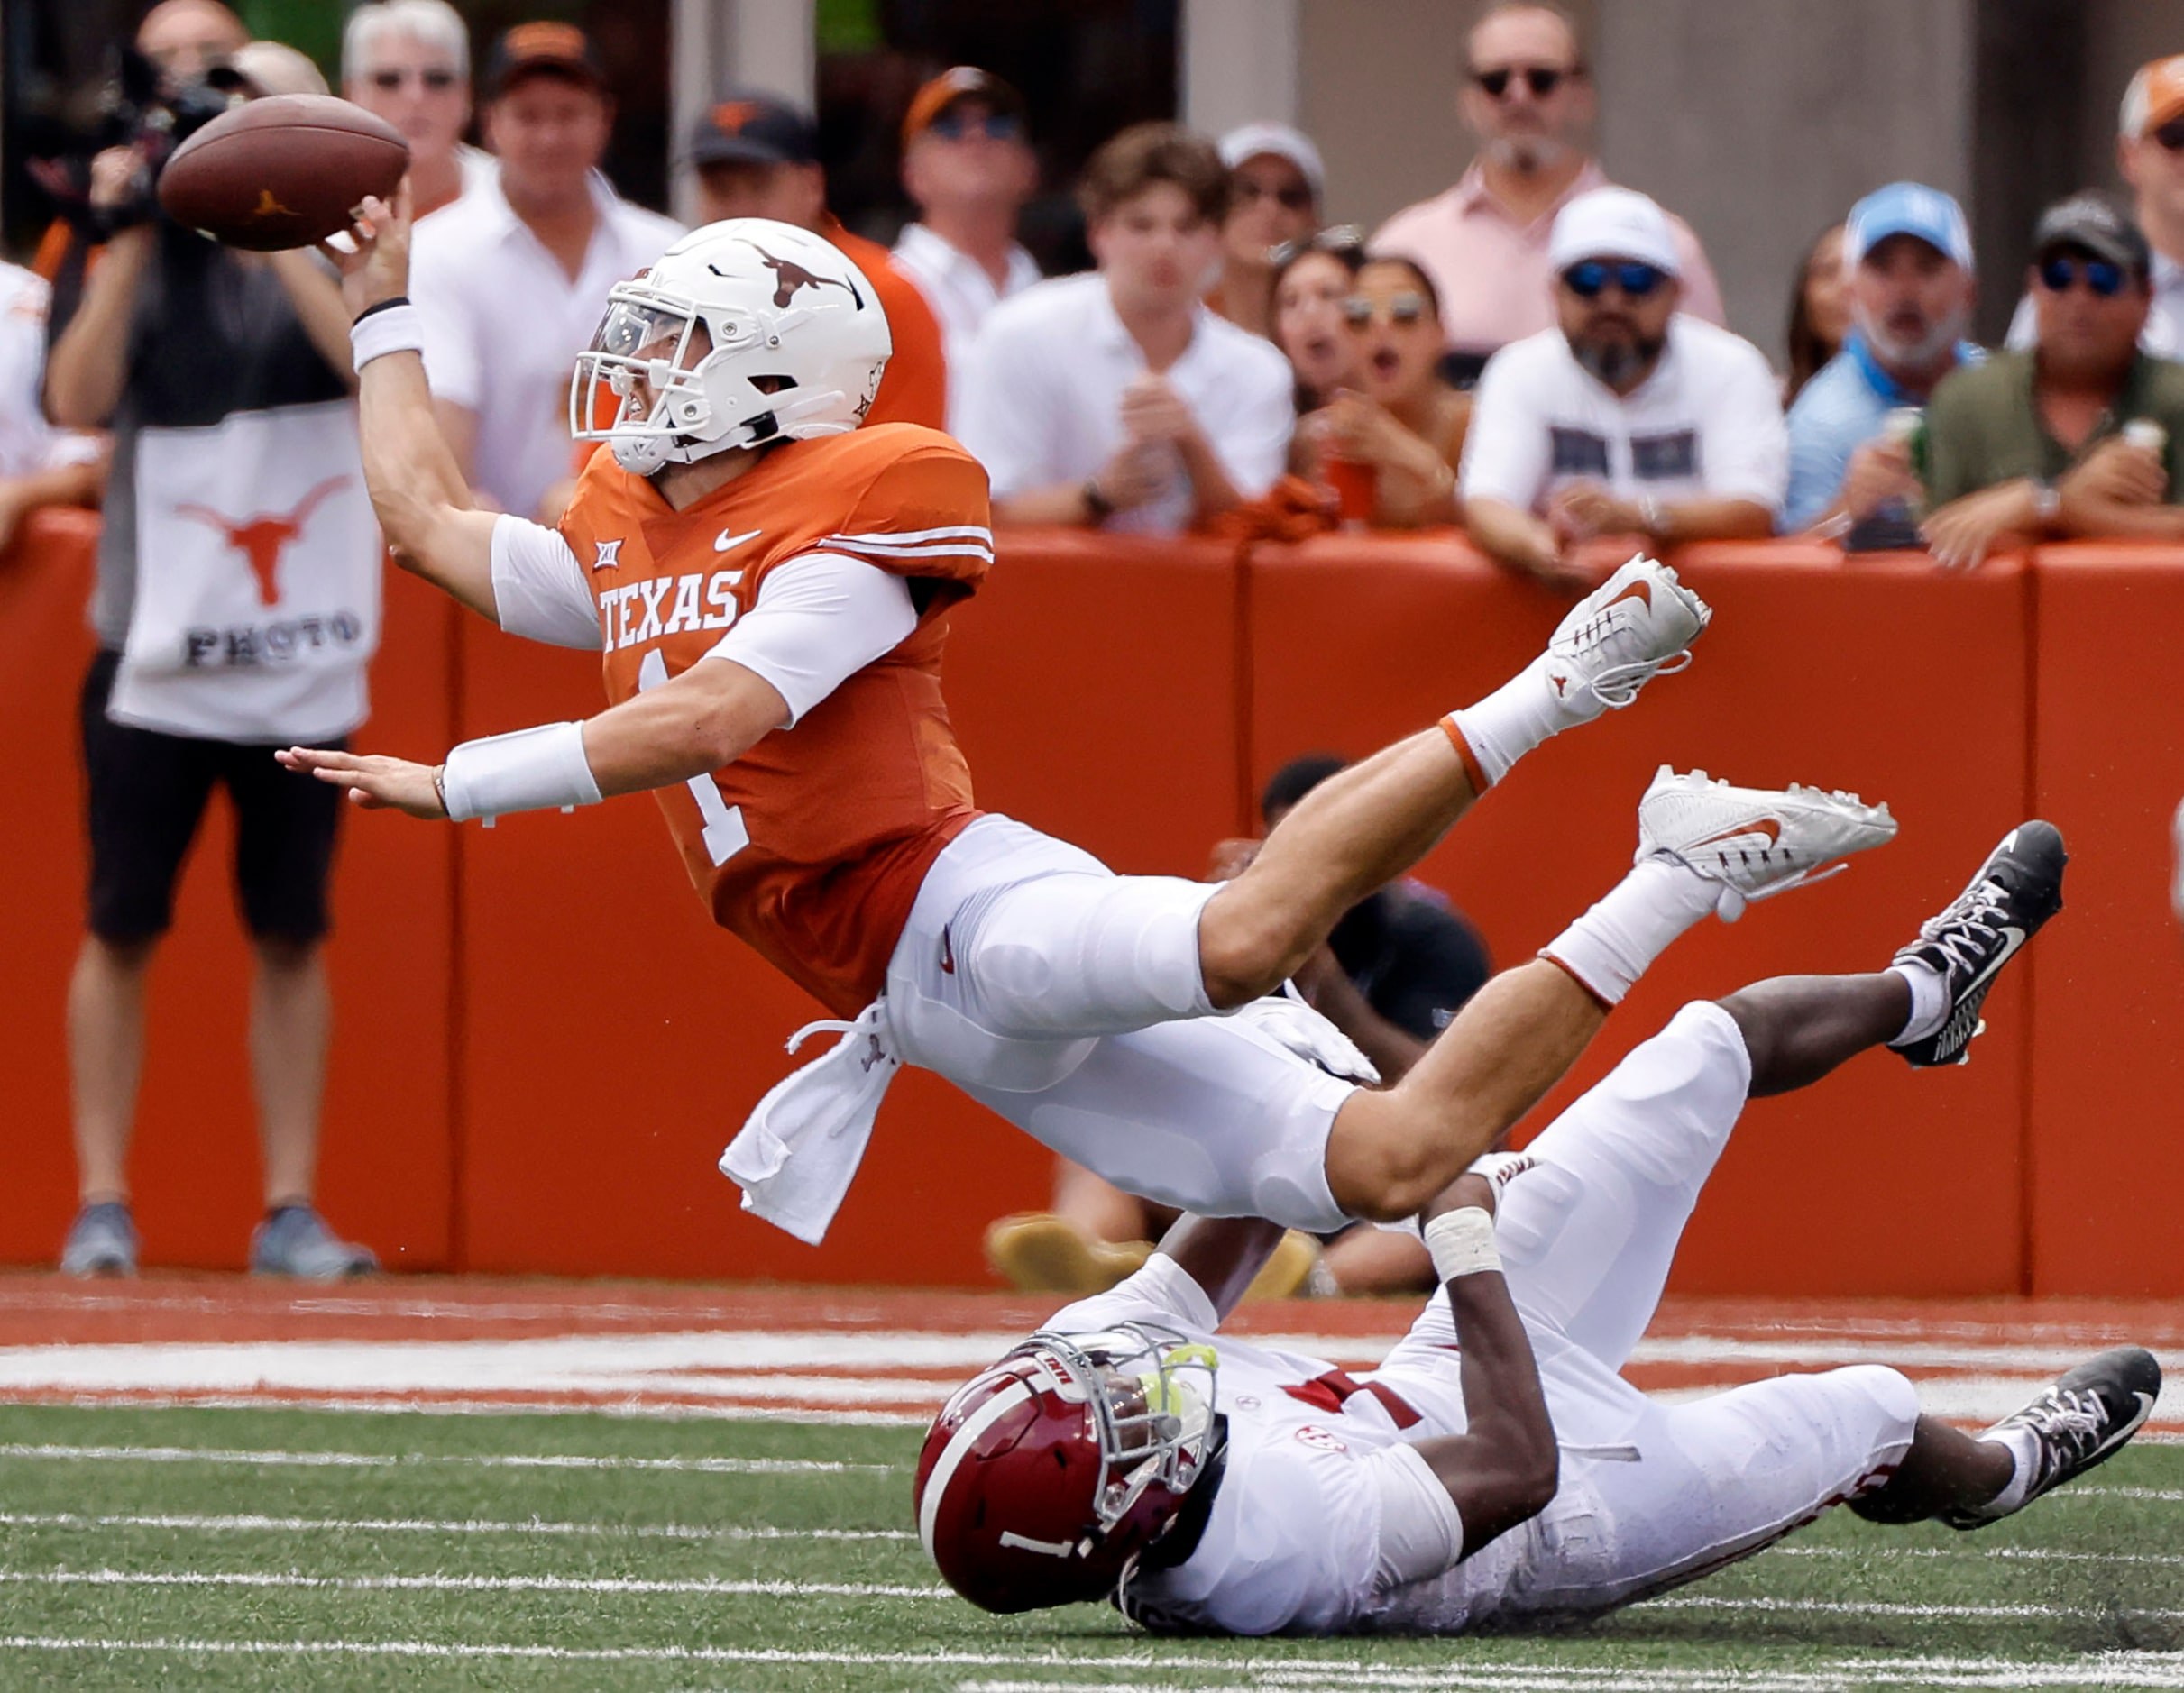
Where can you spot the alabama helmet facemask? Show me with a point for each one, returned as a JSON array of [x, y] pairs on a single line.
[[1043, 1477], [793, 342]]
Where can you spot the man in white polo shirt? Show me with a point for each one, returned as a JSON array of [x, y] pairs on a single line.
[[1631, 418], [968, 165], [512, 284], [1117, 398]]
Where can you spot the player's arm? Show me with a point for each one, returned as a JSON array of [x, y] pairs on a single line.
[[1221, 1254], [1503, 1471], [417, 488]]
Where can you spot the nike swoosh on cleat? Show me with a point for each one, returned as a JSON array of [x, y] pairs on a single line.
[[2012, 938], [725, 542], [1641, 589], [1768, 826]]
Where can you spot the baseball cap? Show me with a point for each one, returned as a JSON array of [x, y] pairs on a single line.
[[750, 127], [1908, 208], [963, 82], [1252, 140], [1613, 224], [546, 46], [2095, 226], [2155, 96]]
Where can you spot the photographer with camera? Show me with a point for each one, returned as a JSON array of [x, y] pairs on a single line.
[[236, 604]]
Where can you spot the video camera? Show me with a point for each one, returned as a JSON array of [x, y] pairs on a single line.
[[138, 111]]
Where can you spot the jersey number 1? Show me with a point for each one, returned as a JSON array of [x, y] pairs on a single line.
[[725, 835]]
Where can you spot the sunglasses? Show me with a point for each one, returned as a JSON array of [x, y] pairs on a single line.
[[1345, 241], [1002, 126], [1541, 79], [435, 81], [1635, 281], [2171, 136], [1292, 196], [2105, 279], [1403, 308]]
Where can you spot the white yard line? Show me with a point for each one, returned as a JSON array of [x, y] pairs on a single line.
[[486, 1460], [468, 1584], [2110, 1670], [247, 1524], [1876, 1607]]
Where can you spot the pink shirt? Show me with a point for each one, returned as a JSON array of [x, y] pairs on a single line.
[[1491, 271]]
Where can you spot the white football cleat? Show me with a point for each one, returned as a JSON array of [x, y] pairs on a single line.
[[1638, 623], [1754, 843]]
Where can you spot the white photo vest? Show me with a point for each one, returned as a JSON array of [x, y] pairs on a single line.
[[257, 598]]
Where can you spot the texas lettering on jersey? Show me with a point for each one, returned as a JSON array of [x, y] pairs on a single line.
[[812, 844]]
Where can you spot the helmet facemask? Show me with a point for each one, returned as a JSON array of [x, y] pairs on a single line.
[[1152, 1395], [687, 382]]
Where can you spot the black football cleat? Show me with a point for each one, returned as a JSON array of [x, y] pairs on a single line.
[[2015, 891], [2083, 1420]]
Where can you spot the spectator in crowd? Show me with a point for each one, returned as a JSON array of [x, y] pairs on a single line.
[[1528, 102], [1631, 417], [1819, 311], [1908, 254], [2149, 155], [1117, 398], [1393, 975], [2081, 435], [757, 156], [186, 39], [1403, 422], [236, 603], [408, 61], [39, 465], [1275, 183], [1312, 278], [512, 289], [968, 168]]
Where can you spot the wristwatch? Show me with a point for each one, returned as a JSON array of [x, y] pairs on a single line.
[[2047, 499], [1098, 506]]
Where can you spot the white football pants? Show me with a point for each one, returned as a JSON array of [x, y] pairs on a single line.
[[1070, 1001]]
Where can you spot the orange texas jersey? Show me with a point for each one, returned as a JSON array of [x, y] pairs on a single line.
[[812, 844]]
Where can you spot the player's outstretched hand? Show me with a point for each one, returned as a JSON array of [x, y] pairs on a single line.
[[370, 780], [375, 266]]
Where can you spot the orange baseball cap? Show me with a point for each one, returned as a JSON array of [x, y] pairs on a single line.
[[964, 82], [2155, 96]]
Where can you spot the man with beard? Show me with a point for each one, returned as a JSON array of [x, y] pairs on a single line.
[[1908, 253], [1631, 418], [2078, 437], [1529, 102]]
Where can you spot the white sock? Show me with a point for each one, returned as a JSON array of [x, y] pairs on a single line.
[[1612, 944], [2026, 1449], [1511, 720], [1929, 1001]]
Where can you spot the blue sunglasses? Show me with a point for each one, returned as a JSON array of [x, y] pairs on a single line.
[[2105, 279], [1635, 281], [955, 125]]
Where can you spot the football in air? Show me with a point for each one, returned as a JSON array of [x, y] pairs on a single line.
[[283, 171]]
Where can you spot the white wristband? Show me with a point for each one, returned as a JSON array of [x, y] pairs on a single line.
[[1462, 1243], [395, 329], [527, 771]]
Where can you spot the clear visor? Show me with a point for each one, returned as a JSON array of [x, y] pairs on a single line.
[[646, 348]]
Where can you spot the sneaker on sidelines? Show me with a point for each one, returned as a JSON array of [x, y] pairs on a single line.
[[1039, 1252], [2015, 891], [1754, 843], [2083, 1420], [1286, 1273], [1638, 623], [101, 1241], [294, 1240]]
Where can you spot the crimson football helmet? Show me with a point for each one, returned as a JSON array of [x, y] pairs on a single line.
[[1044, 1476]]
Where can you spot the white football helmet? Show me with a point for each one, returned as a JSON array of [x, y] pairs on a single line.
[[794, 344]]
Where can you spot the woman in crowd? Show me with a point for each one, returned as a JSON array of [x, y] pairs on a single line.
[[1312, 278], [1819, 311], [1396, 415]]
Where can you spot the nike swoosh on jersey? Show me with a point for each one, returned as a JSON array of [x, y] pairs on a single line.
[[725, 542]]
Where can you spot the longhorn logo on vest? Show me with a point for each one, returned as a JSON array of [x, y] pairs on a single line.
[[261, 539]]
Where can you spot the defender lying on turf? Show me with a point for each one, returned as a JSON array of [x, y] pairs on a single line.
[[1248, 1491]]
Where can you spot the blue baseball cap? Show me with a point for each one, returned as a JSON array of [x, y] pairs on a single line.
[[1908, 208]]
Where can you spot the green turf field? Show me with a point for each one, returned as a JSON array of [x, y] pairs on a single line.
[[352, 1551]]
